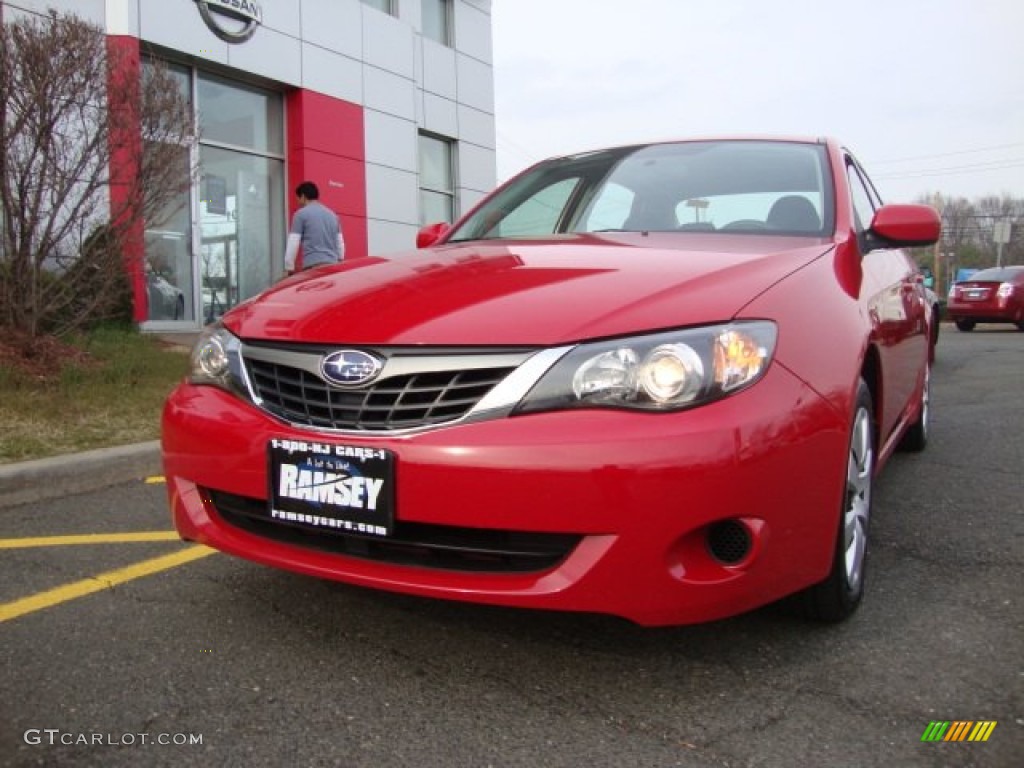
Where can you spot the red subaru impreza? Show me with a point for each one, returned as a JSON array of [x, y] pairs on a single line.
[[654, 381]]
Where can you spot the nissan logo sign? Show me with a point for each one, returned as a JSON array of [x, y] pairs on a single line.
[[233, 21], [350, 368]]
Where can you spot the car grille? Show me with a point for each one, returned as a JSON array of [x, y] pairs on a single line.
[[418, 544], [407, 401]]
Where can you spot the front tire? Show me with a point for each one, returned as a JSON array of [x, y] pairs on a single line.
[[916, 437], [838, 596], [965, 325]]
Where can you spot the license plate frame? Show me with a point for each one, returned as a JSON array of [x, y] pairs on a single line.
[[333, 487]]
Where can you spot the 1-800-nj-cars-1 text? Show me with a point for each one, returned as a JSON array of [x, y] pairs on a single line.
[[655, 381]]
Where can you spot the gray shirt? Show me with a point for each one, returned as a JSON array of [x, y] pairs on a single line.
[[317, 227]]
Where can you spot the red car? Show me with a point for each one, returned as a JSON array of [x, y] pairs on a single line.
[[654, 381], [990, 296]]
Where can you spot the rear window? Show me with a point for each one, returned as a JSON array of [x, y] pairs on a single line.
[[996, 275]]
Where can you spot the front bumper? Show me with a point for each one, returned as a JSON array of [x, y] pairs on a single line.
[[641, 496]]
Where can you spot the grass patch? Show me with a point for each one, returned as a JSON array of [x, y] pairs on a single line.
[[100, 390]]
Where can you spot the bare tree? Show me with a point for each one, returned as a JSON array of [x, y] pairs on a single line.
[[91, 148]]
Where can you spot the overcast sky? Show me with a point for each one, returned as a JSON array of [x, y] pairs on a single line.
[[928, 94]]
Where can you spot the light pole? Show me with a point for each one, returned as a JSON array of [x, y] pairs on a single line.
[[1001, 236]]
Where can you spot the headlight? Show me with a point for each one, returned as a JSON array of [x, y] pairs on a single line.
[[216, 359], [659, 372]]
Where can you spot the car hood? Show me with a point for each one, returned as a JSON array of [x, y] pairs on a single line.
[[525, 293]]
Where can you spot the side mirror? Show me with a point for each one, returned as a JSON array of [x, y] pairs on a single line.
[[431, 233], [907, 225]]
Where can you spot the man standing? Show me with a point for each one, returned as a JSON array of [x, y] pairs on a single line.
[[315, 227]]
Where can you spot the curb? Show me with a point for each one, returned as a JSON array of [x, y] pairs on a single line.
[[41, 479]]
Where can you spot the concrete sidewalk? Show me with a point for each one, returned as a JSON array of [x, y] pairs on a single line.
[[32, 481]]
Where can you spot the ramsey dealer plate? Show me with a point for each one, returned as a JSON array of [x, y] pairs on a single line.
[[343, 488]]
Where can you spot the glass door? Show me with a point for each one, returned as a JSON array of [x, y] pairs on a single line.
[[241, 223]]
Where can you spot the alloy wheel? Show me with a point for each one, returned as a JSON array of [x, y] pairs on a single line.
[[859, 475]]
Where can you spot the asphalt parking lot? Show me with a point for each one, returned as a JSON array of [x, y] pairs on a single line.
[[125, 650]]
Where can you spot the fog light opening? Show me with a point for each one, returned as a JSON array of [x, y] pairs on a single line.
[[729, 541]]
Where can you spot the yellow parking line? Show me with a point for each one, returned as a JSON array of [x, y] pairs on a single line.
[[87, 538], [100, 582], [155, 480]]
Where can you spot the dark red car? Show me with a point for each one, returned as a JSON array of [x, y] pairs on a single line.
[[655, 381], [990, 296]]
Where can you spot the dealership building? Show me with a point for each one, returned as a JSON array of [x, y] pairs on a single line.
[[388, 106]]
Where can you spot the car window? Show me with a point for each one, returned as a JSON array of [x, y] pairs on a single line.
[[609, 210], [539, 214], [863, 205], [999, 274]]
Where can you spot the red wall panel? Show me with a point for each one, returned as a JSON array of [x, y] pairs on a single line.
[[125, 156], [326, 146]]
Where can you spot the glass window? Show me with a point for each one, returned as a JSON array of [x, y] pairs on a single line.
[[168, 258], [241, 219], [387, 6], [181, 76], [241, 116], [437, 21], [222, 241], [609, 210], [539, 215], [863, 208], [437, 180]]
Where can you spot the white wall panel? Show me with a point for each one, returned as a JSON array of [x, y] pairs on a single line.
[[476, 127], [269, 54], [477, 167], [440, 116], [391, 195], [285, 18], [473, 32], [387, 43], [388, 92], [122, 17], [178, 25], [439, 73], [335, 25], [475, 83], [390, 141], [331, 73], [388, 237]]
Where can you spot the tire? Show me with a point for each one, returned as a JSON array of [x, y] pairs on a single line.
[[965, 325], [916, 437], [838, 596]]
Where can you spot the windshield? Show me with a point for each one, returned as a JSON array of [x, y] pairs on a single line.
[[764, 187]]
